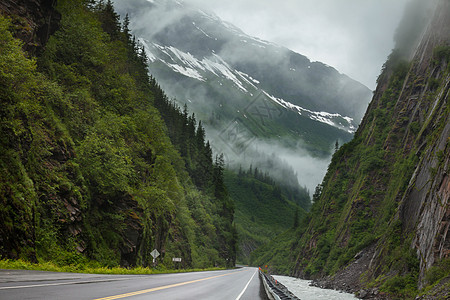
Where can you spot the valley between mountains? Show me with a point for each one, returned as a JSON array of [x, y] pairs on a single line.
[[134, 126]]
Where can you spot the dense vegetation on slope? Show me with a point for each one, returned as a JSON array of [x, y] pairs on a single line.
[[358, 198], [264, 209], [380, 218], [364, 201], [89, 169]]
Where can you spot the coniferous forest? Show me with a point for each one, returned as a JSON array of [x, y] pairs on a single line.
[[97, 165]]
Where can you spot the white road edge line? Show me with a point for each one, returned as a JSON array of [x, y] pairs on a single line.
[[246, 286], [61, 283]]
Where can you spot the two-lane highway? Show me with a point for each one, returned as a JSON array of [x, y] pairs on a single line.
[[238, 284]]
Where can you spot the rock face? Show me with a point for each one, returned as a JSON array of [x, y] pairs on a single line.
[[383, 215], [425, 206], [36, 20]]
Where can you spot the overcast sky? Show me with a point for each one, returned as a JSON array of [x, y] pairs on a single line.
[[353, 36]]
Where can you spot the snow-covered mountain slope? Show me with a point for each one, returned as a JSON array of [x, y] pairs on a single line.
[[224, 75], [216, 68]]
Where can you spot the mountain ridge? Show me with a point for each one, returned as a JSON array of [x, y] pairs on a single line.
[[221, 65]]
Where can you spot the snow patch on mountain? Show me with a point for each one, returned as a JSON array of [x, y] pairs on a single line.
[[247, 78], [226, 71], [213, 17], [189, 72], [335, 120], [202, 31], [209, 16], [188, 65]]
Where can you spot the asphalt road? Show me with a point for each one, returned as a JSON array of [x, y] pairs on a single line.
[[238, 284]]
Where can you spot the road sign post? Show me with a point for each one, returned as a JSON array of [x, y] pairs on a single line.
[[177, 260], [154, 254]]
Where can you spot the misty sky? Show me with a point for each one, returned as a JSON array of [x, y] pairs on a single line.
[[354, 36]]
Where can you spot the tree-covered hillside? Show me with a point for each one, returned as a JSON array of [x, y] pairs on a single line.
[[89, 168], [264, 208]]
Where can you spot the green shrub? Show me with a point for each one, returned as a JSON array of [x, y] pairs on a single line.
[[438, 271]]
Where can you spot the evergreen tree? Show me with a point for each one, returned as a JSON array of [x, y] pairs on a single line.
[[240, 171], [126, 29], [219, 186], [317, 192], [296, 219], [109, 19]]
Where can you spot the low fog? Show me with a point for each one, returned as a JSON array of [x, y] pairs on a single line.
[[309, 170]]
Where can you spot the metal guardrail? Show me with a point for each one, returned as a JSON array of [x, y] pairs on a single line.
[[274, 289]]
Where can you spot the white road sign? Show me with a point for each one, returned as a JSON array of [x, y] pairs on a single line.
[[155, 254]]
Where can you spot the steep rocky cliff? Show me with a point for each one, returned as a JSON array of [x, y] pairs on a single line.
[[381, 216], [34, 21]]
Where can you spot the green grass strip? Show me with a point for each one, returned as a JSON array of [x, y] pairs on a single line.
[[49, 266]]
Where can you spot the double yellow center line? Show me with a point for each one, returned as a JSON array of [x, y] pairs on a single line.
[[162, 287]]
